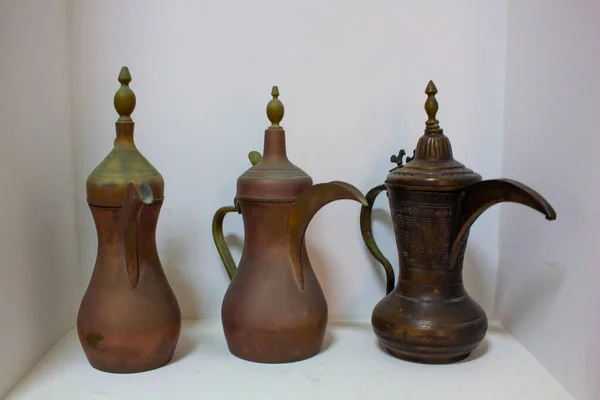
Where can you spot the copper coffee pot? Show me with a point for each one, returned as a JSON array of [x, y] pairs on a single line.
[[274, 310], [129, 318], [428, 316]]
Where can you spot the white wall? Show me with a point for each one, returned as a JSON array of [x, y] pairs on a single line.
[[549, 273], [351, 75], [39, 275]]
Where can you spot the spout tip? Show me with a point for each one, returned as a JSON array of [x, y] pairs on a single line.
[[547, 210], [363, 200], [355, 193]]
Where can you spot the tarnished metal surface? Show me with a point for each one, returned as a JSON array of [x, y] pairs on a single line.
[[124, 164], [428, 316], [129, 319], [274, 310]]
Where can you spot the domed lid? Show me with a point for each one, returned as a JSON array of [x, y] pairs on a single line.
[[272, 178], [124, 164], [432, 166]]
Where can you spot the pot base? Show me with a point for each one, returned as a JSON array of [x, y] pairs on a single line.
[[121, 369], [129, 353], [275, 360], [427, 358], [429, 354]]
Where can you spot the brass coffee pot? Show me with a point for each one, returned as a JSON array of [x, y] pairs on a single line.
[[129, 318], [434, 200], [274, 310]]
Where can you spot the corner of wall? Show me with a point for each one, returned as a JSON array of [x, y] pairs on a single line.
[[494, 312], [73, 72]]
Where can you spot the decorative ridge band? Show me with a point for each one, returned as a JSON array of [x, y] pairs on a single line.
[[251, 199], [274, 173], [96, 205]]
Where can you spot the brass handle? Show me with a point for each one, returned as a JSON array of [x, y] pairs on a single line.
[[217, 225], [219, 238], [366, 230]]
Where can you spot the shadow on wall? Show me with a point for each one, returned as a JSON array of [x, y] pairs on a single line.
[[537, 290], [187, 297]]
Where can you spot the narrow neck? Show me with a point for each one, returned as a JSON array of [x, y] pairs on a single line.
[[124, 133], [274, 147], [265, 226]]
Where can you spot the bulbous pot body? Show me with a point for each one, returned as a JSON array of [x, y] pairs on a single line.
[[274, 310], [266, 318], [125, 328], [428, 317]]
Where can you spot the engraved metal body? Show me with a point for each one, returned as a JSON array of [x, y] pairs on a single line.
[[429, 303], [427, 315]]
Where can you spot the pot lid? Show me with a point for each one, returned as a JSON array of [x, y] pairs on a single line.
[[272, 178], [432, 166], [124, 164]]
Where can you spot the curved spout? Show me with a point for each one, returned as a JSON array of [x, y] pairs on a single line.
[[480, 196], [304, 208], [133, 201]]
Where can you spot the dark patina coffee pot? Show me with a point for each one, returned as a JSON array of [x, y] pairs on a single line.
[[129, 319], [274, 310], [428, 316]]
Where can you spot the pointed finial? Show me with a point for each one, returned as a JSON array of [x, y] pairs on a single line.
[[275, 109], [431, 108], [124, 98]]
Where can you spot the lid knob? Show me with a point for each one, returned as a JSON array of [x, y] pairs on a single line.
[[124, 98], [431, 108], [275, 109]]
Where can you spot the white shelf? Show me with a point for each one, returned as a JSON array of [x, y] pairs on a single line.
[[350, 366]]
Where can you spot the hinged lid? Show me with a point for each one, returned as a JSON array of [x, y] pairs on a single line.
[[432, 166], [124, 164], [274, 178]]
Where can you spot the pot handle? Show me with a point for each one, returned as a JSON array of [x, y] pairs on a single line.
[[366, 230], [217, 225], [219, 238]]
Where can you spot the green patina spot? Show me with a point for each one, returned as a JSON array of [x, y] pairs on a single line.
[[93, 339]]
